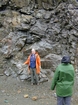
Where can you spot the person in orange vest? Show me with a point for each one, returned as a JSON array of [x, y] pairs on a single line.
[[34, 66]]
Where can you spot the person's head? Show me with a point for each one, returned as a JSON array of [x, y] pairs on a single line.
[[66, 59], [33, 51]]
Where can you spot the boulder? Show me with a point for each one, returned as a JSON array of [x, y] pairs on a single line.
[[38, 29], [19, 3], [53, 60]]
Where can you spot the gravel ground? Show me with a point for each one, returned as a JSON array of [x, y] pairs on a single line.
[[14, 92]]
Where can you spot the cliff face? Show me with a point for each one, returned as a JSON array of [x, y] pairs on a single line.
[[48, 26]]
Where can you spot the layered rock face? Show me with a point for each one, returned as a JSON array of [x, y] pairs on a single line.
[[48, 26]]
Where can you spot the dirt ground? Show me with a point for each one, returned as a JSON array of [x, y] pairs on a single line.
[[13, 92]]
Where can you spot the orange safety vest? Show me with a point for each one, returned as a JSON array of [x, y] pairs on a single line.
[[38, 63]]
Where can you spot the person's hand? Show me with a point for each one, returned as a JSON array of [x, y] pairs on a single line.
[[40, 67], [29, 72], [23, 64]]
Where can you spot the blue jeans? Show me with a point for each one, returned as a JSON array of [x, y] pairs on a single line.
[[63, 100]]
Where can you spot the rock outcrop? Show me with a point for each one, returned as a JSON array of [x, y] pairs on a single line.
[[51, 30]]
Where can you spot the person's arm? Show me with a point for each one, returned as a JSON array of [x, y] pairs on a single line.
[[39, 61], [27, 61], [73, 74], [55, 78]]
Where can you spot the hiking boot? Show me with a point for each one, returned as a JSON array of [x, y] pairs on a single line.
[[37, 83]]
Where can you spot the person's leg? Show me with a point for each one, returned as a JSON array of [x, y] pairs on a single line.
[[36, 76], [60, 100], [67, 100], [32, 76]]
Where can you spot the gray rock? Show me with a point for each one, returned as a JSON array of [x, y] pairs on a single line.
[[14, 75], [54, 61], [33, 21], [44, 71], [8, 71], [47, 6], [23, 27], [53, 31], [23, 77], [43, 80], [38, 29], [32, 39], [25, 19], [17, 4], [26, 10], [47, 15], [42, 75], [3, 3], [39, 15]]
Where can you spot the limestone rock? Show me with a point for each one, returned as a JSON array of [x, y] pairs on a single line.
[[26, 96], [34, 98]]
